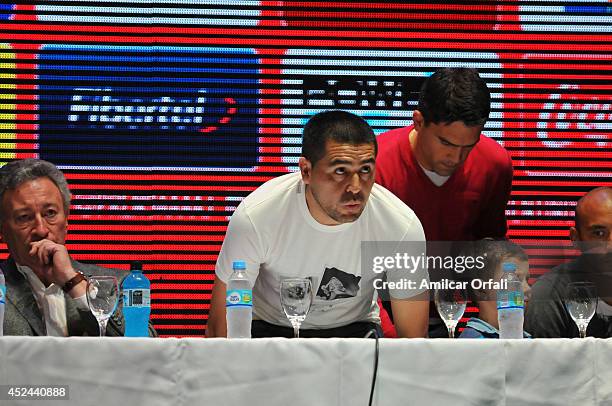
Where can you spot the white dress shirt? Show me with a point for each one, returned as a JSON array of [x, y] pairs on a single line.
[[51, 303]]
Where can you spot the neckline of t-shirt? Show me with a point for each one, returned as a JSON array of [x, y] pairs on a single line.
[[434, 177], [421, 170], [303, 207], [411, 159]]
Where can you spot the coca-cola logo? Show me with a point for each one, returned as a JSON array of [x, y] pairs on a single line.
[[567, 116]]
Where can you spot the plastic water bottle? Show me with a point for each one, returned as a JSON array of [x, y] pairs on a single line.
[[136, 302], [239, 303], [2, 300], [510, 304]]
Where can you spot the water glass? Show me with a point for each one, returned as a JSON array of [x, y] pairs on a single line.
[[451, 304], [102, 298], [296, 298], [581, 303]]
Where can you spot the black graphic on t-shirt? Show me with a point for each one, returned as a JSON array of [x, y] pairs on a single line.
[[337, 284]]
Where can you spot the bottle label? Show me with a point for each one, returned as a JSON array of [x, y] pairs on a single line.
[[137, 297], [239, 297], [515, 301], [2, 293]]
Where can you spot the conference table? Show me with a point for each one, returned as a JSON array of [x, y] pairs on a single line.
[[269, 372]]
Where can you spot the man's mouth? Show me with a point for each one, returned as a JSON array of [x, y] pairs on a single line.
[[352, 205]]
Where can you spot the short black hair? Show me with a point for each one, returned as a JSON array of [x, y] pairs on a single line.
[[455, 94], [337, 125]]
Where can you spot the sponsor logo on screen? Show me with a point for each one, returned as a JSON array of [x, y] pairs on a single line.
[[163, 107]]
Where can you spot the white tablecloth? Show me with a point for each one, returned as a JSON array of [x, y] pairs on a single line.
[[268, 372]]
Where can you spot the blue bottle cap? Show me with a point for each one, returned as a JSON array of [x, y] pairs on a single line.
[[239, 265], [509, 267]]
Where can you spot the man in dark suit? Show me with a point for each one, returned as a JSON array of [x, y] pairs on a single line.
[[45, 288]]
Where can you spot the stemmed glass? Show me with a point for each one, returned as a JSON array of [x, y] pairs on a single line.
[[451, 304], [296, 298], [102, 298], [581, 302]]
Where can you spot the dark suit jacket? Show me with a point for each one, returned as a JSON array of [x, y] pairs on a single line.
[[547, 316], [22, 316]]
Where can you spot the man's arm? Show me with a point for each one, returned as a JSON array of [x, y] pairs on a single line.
[[217, 326], [410, 306], [411, 316]]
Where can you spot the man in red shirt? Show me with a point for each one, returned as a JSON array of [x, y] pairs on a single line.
[[456, 180]]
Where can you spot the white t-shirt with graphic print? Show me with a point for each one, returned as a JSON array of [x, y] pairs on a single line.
[[273, 231]]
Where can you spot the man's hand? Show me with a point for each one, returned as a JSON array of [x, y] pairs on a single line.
[[53, 265]]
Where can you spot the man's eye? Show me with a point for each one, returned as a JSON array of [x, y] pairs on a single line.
[[51, 214], [444, 142], [24, 218], [340, 171], [366, 169], [599, 233]]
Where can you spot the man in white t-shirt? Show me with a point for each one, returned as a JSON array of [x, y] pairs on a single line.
[[311, 224]]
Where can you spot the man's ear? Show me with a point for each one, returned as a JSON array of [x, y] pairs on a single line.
[[574, 234], [418, 119], [305, 169], [575, 237]]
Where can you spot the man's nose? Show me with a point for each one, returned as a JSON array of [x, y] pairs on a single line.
[[455, 155], [41, 229], [354, 185]]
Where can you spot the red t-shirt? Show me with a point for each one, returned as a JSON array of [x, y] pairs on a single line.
[[470, 205]]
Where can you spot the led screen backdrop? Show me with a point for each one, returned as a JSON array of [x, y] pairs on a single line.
[[165, 114]]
